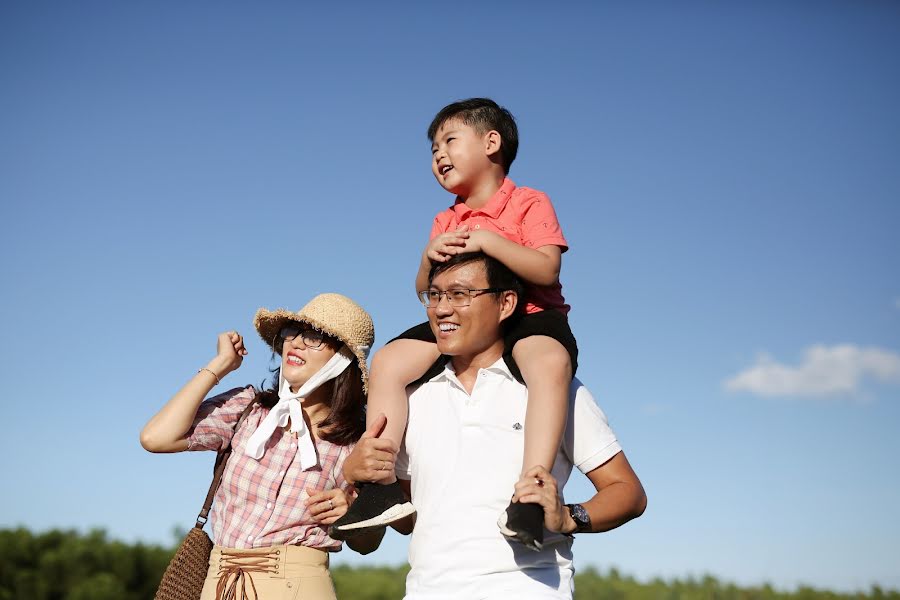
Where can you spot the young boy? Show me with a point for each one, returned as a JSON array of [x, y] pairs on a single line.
[[474, 142]]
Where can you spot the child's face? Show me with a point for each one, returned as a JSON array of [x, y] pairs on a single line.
[[459, 157]]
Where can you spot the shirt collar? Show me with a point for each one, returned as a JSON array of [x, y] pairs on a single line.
[[449, 373], [494, 206]]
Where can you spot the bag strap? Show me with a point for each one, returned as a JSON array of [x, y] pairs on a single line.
[[219, 469]]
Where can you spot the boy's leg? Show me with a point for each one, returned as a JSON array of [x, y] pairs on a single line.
[[546, 369], [394, 367], [398, 364]]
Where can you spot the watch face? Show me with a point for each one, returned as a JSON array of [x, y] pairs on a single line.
[[580, 516]]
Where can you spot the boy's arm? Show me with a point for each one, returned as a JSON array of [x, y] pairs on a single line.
[[539, 266], [422, 273]]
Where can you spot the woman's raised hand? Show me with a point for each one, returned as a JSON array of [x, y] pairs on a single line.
[[167, 430], [230, 353]]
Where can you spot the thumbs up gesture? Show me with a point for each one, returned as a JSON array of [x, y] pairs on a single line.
[[373, 457]]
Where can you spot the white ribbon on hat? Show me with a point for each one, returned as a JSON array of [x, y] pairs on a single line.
[[290, 405]]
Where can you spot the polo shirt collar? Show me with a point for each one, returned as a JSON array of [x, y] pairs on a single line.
[[449, 373], [494, 206]]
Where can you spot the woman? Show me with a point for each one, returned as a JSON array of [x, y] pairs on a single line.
[[283, 484]]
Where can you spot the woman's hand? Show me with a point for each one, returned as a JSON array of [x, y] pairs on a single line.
[[229, 355], [538, 486], [328, 506], [167, 430]]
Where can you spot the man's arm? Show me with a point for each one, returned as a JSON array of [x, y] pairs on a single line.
[[620, 496], [366, 543], [405, 525]]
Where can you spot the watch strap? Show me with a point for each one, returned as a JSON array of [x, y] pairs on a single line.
[[581, 517]]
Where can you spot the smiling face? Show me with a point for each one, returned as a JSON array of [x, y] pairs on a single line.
[[470, 332], [461, 157], [299, 363]]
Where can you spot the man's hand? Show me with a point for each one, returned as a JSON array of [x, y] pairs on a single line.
[[538, 486], [444, 246], [373, 458]]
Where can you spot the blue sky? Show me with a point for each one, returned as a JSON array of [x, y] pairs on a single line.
[[725, 173]]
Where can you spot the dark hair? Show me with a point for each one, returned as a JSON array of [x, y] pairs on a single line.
[[346, 421], [498, 275], [482, 114]]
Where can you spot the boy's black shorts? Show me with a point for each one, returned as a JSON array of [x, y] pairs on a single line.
[[551, 323]]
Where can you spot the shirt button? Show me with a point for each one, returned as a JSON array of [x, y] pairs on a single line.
[[478, 227], [268, 505], [249, 538]]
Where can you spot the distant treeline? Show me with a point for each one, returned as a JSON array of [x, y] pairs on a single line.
[[67, 565]]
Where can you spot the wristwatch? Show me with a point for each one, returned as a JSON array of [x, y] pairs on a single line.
[[581, 517]]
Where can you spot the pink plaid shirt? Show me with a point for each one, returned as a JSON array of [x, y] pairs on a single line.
[[260, 503]]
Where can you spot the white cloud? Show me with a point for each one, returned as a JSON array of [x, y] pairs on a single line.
[[825, 371]]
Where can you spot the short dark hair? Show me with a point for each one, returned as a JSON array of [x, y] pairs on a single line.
[[498, 275], [482, 114]]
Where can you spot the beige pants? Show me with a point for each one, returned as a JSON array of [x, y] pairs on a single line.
[[276, 573]]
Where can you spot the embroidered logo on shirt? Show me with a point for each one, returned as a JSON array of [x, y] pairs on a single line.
[[517, 426]]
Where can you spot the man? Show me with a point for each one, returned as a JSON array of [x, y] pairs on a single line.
[[462, 452]]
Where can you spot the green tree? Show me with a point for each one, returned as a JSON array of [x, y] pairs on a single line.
[[67, 565]]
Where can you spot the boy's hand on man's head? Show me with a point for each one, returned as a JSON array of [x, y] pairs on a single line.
[[444, 246], [478, 241]]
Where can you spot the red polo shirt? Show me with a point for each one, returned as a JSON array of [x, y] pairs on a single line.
[[522, 215]]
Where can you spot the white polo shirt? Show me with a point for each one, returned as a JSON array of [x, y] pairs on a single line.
[[462, 455]]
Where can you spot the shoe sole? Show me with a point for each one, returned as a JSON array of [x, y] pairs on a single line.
[[514, 537], [343, 536], [394, 513]]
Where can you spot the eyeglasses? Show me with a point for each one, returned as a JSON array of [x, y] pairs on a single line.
[[312, 339], [457, 298]]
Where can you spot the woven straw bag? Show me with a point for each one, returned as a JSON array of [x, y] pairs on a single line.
[[184, 577]]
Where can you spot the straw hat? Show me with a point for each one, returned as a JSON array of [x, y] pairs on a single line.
[[332, 314]]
